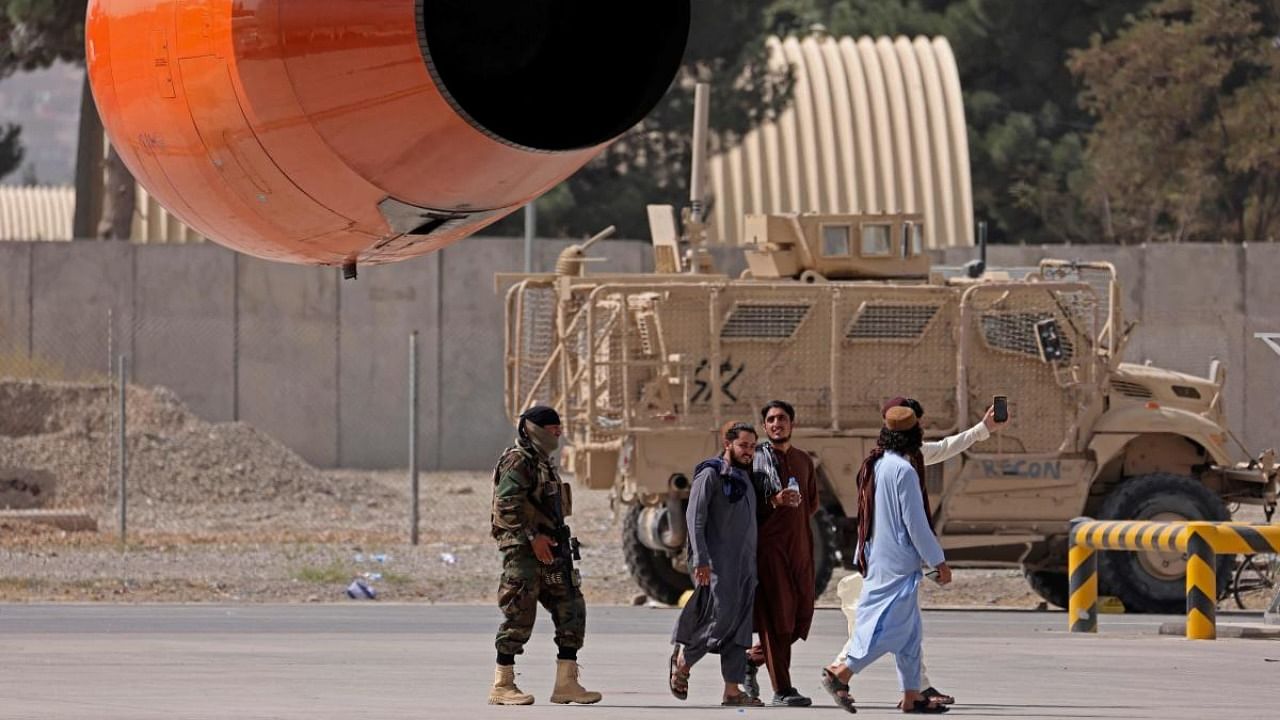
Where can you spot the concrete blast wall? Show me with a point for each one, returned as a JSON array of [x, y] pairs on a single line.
[[322, 364], [1193, 303]]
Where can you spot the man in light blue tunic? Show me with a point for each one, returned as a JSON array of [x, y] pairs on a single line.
[[894, 541], [931, 453]]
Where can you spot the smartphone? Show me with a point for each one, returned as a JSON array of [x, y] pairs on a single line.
[[1001, 405]]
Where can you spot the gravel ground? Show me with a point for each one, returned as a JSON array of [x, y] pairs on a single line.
[[222, 512], [309, 550]]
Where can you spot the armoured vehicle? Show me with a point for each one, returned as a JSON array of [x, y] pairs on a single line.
[[836, 313]]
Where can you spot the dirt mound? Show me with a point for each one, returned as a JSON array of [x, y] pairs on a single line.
[[225, 461], [68, 429], [33, 407]]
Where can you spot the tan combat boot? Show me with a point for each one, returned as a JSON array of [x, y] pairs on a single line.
[[567, 688], [504, 690]]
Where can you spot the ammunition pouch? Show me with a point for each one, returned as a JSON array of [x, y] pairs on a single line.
[[566, 499]]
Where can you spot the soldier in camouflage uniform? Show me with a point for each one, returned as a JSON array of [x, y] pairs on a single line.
[[529, 509]]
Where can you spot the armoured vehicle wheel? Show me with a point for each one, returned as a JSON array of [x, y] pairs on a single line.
[[653, 570], [824, 548], [1155, 582], [1048, 584], [660, 580]]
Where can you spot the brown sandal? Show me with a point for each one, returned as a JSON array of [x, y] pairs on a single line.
[[937, 697], [834, 686], [926, 707], [742, 700], [679, 679]]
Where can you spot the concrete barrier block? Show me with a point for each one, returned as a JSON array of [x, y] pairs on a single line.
[[184, 329], [379, 310], [1190, 348], [69, 520], [1261, 372], [15, 306], [287, 370], [471, 342], [81, 307], [1193, 282]]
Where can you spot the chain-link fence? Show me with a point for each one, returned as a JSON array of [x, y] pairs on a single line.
[[266, 420], [230, 428], [56, 422]]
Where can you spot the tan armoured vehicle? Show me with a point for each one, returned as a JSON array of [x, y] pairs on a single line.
[[834, 314]]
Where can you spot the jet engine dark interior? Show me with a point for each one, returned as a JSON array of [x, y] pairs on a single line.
[[553, 74]]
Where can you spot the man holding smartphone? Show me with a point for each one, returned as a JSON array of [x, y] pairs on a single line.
[[938, 451], [895, 539], [932, 453]]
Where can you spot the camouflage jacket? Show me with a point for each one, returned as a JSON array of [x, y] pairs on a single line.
[[528, 496]]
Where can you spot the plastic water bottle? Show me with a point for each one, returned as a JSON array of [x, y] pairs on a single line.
[[793, 485]]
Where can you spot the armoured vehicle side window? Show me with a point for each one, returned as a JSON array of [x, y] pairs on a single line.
[[912, 239], [835, 240], [877, 240]]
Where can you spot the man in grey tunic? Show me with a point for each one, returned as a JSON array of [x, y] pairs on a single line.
[[722, 552]]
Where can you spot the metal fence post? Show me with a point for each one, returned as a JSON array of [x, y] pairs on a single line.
[[123, 449], [413, 437], [1202, 582], [530, 229], [1082, 585], [111, 420], [1272, 615]]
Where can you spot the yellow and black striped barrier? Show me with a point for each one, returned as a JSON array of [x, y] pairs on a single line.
[[1200, 541]]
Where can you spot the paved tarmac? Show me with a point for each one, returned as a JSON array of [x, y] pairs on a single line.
[[372, 661]]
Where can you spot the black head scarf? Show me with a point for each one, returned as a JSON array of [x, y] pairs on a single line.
[[540, 415]]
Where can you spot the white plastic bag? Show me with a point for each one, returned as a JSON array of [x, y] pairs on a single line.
[[849, 590]]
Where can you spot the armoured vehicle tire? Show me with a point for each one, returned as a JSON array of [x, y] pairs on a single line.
[[653, 570], [659, 580], [1158, 496], [825, 547], [1050, 585]]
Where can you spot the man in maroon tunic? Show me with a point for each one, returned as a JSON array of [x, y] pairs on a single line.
[[785, 594]]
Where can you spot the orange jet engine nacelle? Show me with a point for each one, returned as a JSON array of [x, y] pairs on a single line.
[[337, 132]]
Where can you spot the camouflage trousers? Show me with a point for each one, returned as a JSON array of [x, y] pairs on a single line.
[[527, 582]]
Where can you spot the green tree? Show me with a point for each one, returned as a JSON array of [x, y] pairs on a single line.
[[42, 32], [1187, 144], [650, 163], [10, 148], [861, 17], [1026, 126]]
